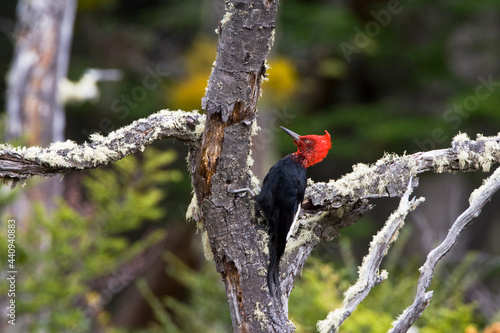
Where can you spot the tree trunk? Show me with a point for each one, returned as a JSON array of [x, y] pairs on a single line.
[[34, 115], [221, 163]]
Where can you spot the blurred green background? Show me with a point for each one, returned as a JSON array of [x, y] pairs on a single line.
[[380, 76]]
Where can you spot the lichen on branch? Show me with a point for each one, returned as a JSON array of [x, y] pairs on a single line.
[[369, 271], [18, 163], [477, 200], [389, 176]]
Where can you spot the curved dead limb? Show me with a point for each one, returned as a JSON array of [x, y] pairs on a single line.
[[328, 207], [389, 176], [477, 200], [369, 271], [18, 163]]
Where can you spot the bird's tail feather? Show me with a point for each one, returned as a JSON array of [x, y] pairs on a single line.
[[273, 271]]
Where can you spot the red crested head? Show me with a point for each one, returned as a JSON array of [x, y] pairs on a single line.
[[312, 149]]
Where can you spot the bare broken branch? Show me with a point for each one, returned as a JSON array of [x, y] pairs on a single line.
[[328, 207], [477, 200], [389, 176], [17, 163], [369, 274]]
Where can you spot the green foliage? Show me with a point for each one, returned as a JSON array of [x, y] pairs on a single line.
[[60, 253], [303, 20], [321, 286], [317, 292], [206, 309]]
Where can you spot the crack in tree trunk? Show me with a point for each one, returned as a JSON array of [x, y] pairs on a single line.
[[235, 297], [221, 160]]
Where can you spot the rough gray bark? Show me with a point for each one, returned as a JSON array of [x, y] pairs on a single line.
[[42, 50], [221, 163], [20, 163]]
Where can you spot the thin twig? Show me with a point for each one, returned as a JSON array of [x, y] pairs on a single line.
[[369, 274], [477, 201]]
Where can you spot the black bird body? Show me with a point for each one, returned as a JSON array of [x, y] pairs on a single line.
[[280, 198], [282, 194]]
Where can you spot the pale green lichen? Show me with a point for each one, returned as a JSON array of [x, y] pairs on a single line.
[[96, 137], [306, 235], [260, 316], [361, 173], [399, 214], [439, 163], [461, 137], [265, 78], [463, 159], [477, 193], [271, 40], [263, 241], [262, 271], [193, 215], [333, 319], [69, 154], [250, 160], [483, 159], [207, 249], [339, 212], [388, 158], [265, 288], [255, 128], [491, 154], [193, 211], [254, 181], [366, 177], [227, 15]]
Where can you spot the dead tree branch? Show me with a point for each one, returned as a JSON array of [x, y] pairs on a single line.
[[369, 271], [477, 200], [328, 207], [18, 163], [389, 176]]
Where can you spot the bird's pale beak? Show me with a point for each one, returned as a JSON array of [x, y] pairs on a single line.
[[294, 135]]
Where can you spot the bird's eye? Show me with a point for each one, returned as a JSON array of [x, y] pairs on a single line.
[[307, 141]]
